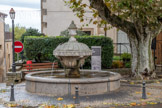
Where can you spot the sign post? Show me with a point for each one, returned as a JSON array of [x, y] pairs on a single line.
[[18, 48], [96, 58]]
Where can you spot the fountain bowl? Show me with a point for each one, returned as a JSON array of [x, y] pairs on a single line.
[[44, 83]]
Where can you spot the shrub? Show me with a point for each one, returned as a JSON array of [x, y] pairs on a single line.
[[41, 48], [126, 57], [31, 32], [128, 65], [116, 57], [117, 64]]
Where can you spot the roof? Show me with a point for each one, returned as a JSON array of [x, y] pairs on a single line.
[[3, 14]]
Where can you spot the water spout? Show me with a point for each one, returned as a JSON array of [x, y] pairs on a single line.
[[53, 65]]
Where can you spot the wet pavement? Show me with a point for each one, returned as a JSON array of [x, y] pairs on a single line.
[[125, 95], [1, 106], [146, 106]]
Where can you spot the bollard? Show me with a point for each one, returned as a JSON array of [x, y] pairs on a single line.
[[77, 96], [12, 98], [144, 91]]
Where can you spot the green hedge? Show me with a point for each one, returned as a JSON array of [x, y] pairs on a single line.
[[41, 48]]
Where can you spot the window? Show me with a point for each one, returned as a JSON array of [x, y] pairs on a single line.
[[44, 11], [87, 32], [45, 24], [0, 47]]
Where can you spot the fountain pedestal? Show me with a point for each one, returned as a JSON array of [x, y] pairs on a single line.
[[72, 73]]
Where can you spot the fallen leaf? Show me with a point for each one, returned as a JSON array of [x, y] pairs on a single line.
[[132, 83], [148, 93], [71, 106], [74, 97], [59, 99], [152, 103], [105, 103], [144, 103], [116, 104], [12, 105], [138, 92], [133, 104]]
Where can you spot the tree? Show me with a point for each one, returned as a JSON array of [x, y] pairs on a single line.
[[18, 32], [140, 19], [31, 32]]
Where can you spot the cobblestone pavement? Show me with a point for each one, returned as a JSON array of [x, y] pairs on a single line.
[[146, 106], [126, 94]]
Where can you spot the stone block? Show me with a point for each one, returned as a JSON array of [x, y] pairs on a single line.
[[13, 77], [50, 88], [89, 89], [114, 85], [30, 86]]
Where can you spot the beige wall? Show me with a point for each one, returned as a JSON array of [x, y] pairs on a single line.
[[5, 50], [1, 49], [56, 17], [8, 54]]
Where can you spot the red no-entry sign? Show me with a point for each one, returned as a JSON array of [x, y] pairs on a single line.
[[18, 46]]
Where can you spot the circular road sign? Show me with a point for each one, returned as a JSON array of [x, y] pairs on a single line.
[[18, 46]]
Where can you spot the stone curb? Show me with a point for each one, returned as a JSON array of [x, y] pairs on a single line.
[[140, 81]]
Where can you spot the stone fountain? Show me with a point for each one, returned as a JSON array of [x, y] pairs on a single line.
[[72, 55]]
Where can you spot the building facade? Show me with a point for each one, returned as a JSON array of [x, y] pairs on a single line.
[[5, 48], [56, 17]]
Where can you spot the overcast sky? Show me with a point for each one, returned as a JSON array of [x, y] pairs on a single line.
[[27, 12]]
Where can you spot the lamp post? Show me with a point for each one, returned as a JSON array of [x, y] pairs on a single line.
[[72, 29], [12, 15]]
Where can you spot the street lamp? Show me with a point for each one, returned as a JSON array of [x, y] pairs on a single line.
[[72, 29], [12, 15]]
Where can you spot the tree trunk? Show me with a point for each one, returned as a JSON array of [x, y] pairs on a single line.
[[142, 60]]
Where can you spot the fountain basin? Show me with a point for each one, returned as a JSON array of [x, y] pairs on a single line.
[[39, 82]]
